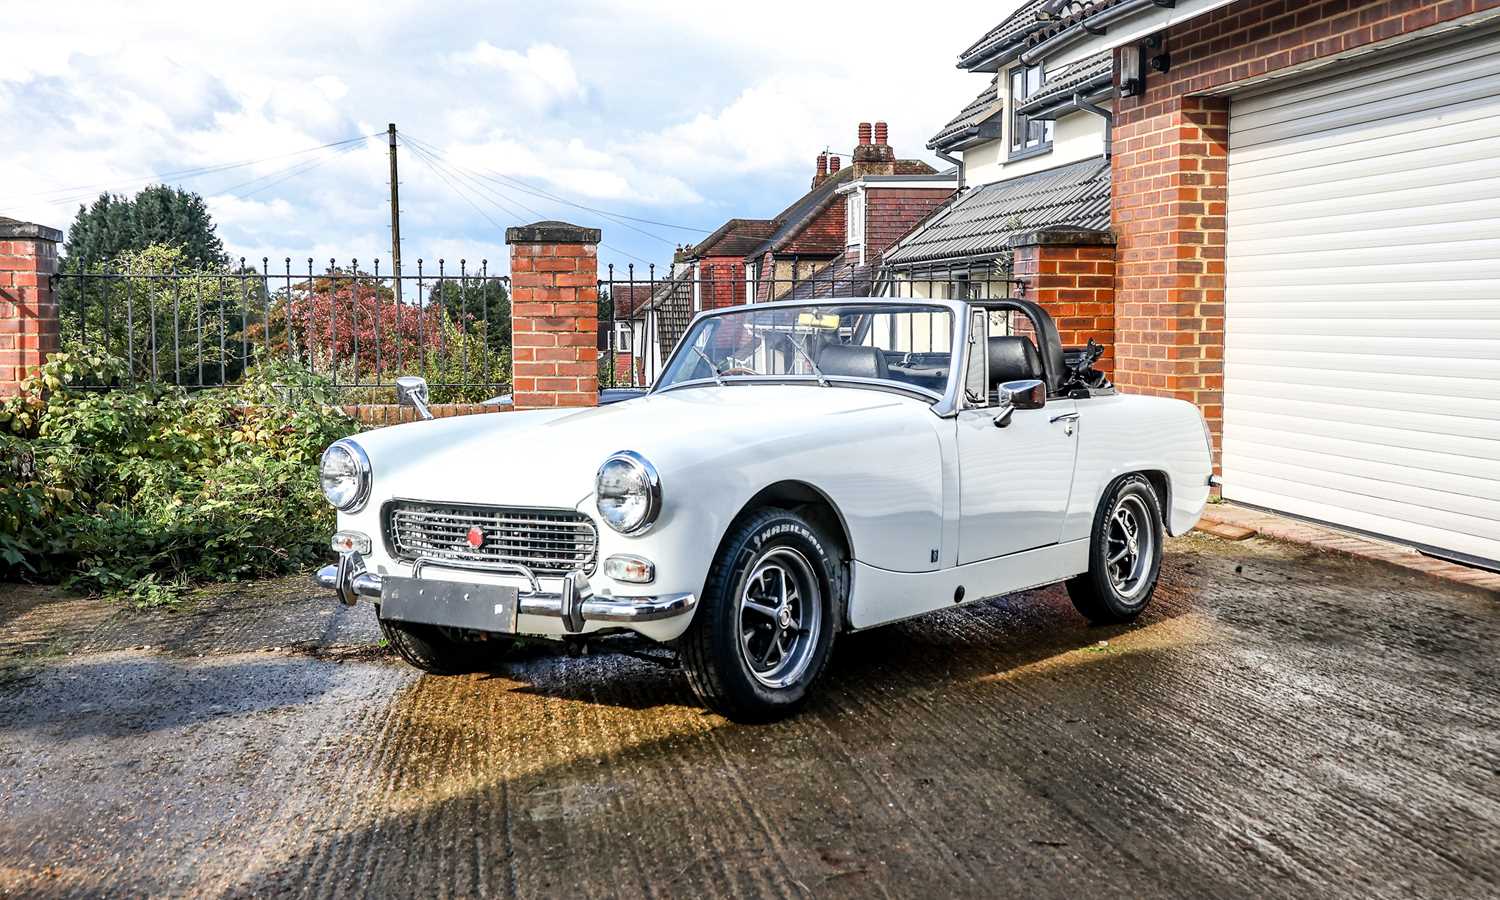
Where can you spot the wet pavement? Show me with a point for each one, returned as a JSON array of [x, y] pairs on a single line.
[[1281, 723]]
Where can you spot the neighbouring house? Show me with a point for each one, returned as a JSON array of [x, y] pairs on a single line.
[[812, 232], [831, 234], [622, 332], [718, 261], [1032, 151], [1305, 213]]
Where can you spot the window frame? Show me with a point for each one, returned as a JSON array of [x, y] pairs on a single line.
[[1020, 124]]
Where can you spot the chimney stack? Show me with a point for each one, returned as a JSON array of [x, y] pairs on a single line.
[[833, 164], [873, 156]]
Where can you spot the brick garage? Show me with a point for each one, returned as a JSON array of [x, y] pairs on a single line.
[[1170, 175], [1306, 212]]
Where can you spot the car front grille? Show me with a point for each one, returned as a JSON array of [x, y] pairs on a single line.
[[547, 541]]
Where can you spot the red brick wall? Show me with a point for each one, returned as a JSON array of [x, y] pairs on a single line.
[[28, 309], [1170, 170], [891, 212], [721, 281], [1075, 284], [377, 415], [555, 323]]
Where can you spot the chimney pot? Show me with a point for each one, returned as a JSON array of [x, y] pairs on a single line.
[[882, 134], [833, 164], [822, 163], [864, 132]]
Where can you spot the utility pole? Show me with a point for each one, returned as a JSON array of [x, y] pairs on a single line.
[[395, 217]]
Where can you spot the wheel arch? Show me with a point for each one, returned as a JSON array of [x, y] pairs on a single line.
[[814, 504], [1161, 482]]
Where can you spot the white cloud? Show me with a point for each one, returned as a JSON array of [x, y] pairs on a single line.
[[542, 76]]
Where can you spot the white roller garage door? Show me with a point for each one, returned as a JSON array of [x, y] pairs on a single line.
[[1362, 349]]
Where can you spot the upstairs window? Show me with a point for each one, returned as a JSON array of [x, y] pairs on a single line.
[[1027, 135], [854, 218]]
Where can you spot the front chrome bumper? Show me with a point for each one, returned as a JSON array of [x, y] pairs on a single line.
[[575, 603]]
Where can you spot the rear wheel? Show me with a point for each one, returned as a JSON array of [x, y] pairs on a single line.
[[439, 651], [1124, 554], [765, 628]]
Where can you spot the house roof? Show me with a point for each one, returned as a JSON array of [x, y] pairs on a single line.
[[629, 296], [1069, 15], [791, 221], [844, 276], [983, 221], [958, 127], [737, 237], [1085, 76], [984, 54]]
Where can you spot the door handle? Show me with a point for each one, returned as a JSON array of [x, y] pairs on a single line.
[[1065, 417]]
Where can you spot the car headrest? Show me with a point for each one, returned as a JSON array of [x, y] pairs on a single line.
[[1013, 358], [853, 361]]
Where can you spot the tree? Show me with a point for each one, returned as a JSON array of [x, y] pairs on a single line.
[[476, 301], [159, 215]]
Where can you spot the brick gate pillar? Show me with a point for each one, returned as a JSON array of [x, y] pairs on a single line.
[[554, 296], [28, 310], [1071, 273]]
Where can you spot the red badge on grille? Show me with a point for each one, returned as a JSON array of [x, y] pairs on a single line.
[[475, 537]]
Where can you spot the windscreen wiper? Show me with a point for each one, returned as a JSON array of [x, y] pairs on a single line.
[[802, 351], [718, 376]]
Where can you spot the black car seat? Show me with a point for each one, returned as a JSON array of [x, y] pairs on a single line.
[[853, 361], [1013, 358]]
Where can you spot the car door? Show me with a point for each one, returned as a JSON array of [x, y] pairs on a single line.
[[1015, 481]]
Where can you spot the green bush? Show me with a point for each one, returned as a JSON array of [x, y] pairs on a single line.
[[144, 490]]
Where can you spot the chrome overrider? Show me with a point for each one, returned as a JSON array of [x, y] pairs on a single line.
[[575, 603]]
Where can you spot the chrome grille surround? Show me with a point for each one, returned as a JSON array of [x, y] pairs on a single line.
[[547, 541]]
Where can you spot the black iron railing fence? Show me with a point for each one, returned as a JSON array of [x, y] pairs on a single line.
[[361, 328], [645, 312]]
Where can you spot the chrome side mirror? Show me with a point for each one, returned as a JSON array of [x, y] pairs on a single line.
[[1027, 394], [411, 390]]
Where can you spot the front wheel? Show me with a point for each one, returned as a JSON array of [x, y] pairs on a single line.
[[1124, 554], [765, 628], [438, 651]]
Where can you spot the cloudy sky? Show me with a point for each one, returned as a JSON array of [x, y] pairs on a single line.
[[653, 115]]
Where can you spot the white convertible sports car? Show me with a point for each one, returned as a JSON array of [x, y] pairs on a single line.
[[798, 471]]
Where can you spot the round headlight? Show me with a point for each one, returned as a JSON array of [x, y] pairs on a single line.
[[345, 474], [628, 492]]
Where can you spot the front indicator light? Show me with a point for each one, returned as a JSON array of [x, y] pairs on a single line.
[[630, 569], [351, 541]]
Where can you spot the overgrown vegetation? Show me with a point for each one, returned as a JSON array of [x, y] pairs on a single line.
[[143, 491]]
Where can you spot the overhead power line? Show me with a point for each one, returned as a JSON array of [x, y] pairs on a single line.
[[450, 175], [524, 187]]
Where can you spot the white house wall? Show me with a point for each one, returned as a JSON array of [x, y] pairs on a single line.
[[1076, 136]]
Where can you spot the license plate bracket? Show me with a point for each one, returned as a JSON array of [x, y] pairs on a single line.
[[481, 607]]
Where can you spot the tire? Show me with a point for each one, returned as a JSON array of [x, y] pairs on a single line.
[[755, 661], [1122, 572], [431, 649]]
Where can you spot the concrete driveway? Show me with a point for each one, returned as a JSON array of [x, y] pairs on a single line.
[[1282, 723]]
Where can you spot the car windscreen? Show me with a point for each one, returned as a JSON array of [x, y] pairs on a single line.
[[910, 345]]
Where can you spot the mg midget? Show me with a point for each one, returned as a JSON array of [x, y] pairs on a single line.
[[797, 472]]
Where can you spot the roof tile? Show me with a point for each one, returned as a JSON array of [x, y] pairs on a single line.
[[983, 221]]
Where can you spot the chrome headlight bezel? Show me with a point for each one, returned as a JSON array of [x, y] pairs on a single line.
[[361, 475], [648, 483]]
